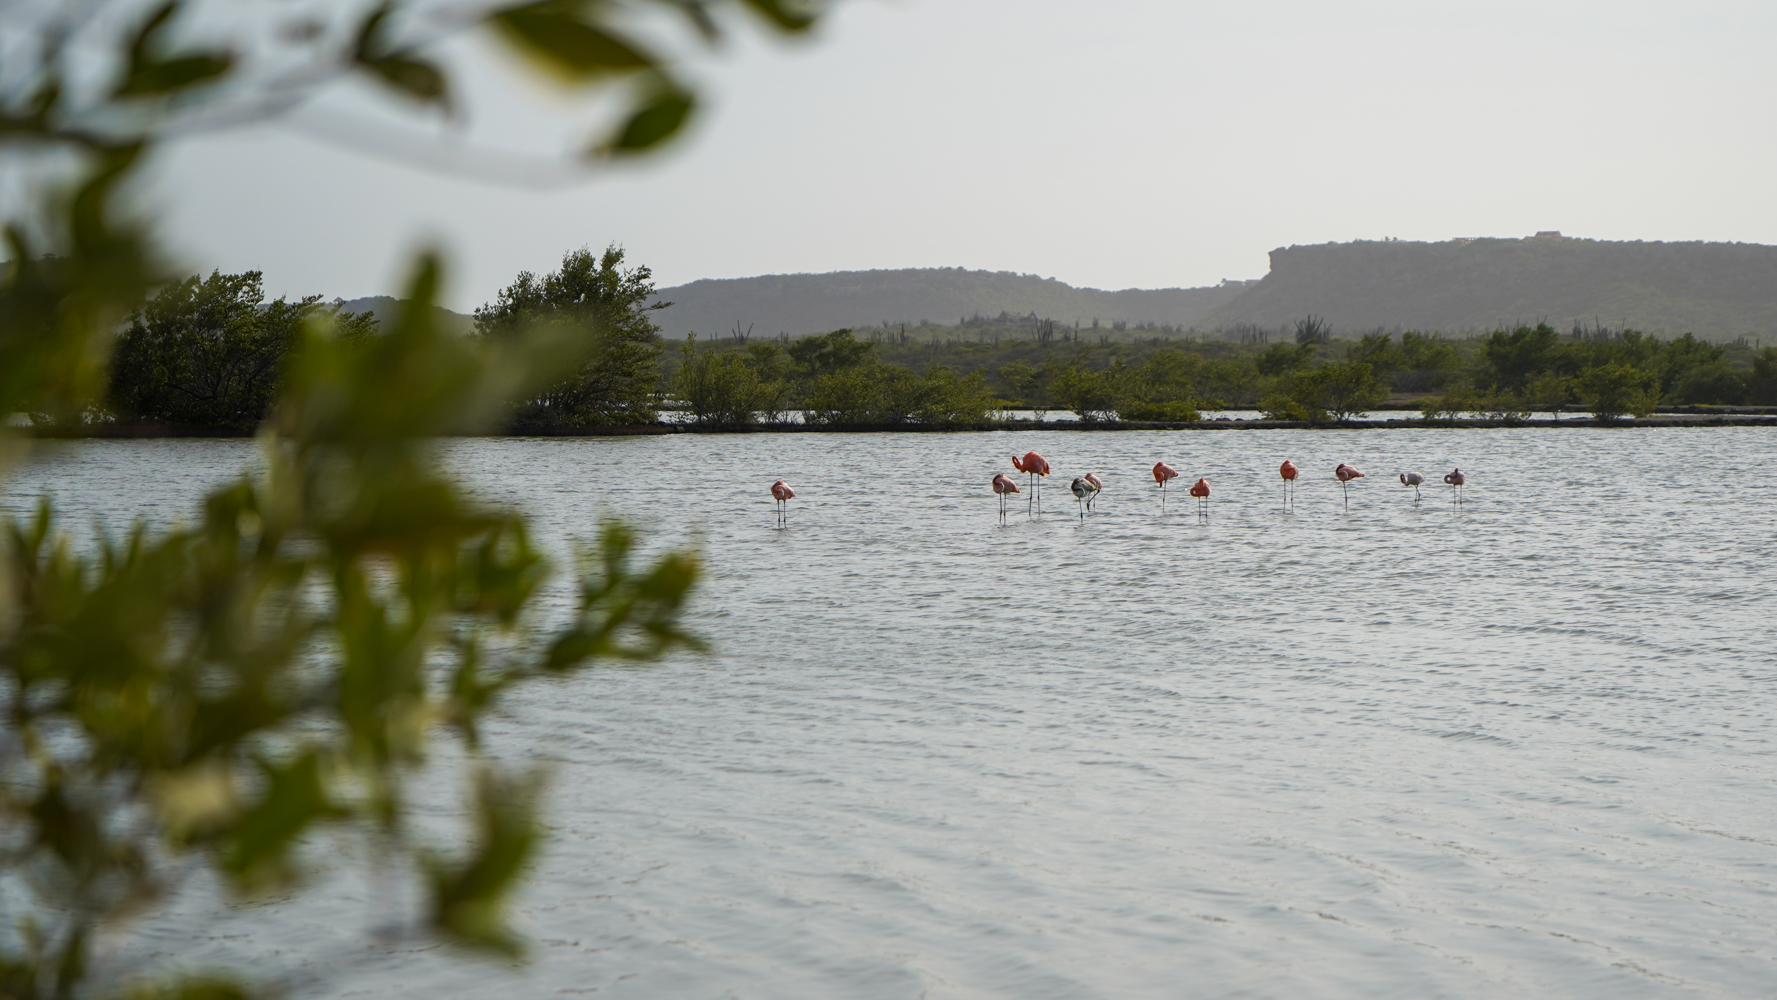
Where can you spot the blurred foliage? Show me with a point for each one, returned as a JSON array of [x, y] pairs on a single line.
[[602, 305], [234, 696], [237, 688], [211, 353]]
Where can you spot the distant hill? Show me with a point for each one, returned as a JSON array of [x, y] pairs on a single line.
[[1711, 289], [385, 307], [816, 303]]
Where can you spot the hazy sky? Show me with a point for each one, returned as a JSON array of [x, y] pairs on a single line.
[[1123, 143]]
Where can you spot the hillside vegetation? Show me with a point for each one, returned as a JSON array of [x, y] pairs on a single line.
[[800, 304], [1715, 290]]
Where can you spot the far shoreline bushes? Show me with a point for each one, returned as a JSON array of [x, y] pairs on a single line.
[[209, 354]]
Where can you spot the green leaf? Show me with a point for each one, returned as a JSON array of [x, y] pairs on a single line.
[[566, 42], [660, 116], [150, 76], [786, 16], [417, 78], [257, 842], [469, 898], [413, 77]]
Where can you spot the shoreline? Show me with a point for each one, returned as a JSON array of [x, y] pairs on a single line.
[[126, 432]]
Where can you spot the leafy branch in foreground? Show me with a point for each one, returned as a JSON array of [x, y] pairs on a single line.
[[215, 697], [276, 673]]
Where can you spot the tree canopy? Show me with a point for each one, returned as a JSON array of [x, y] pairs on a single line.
[[210, 352], [604, 306]]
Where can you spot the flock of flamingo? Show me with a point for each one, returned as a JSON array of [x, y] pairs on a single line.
[[1086, 488]]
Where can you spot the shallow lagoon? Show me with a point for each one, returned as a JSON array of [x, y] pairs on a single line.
[[1520, 746]]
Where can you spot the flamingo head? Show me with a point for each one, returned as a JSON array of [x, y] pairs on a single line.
[[1096, 485]]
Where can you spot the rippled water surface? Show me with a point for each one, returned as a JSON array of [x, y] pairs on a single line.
[[1520, 747]]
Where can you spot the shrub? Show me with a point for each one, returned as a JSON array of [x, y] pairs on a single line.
[[1178, 410], [602, 307], [210, 353], [882, 394], [1761, 387], [1465, 402], [1612, 391], [1092, 395], [847, 396], [1283, 406], [1716, 382], [721, 389]]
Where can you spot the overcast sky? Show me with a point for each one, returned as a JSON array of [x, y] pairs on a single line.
[[1123, 143]]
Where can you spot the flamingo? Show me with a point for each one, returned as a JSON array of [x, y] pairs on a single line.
[[1032, 465], [1346, 474], [1096, 487], [1163, 472], [781, 492], [1003, 485], [1456, 479], [1200, 490], [1412, 479], [1082, 490], [1289, 473]]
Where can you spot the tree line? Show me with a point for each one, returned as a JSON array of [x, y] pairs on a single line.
[[210, 352]]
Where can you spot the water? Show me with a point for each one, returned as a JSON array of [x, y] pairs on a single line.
[[1518, 747], [795, 417]]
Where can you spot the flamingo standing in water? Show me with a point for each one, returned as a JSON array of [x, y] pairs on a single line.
[[1163, 472], [1082, 490], [1412, 479], [1032, 465], [1092, 481], [1456, 479], [1200, 490], [781, 492], [1346, 474], [1289, 472], [1002, 486]]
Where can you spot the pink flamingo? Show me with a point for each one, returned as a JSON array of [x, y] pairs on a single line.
[[1456, 479], [1096, 488], [1003, 486], [1033, 465], [1346, 474], [1289, 472], [781, 492], [1200, 490], [1163, 472]]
